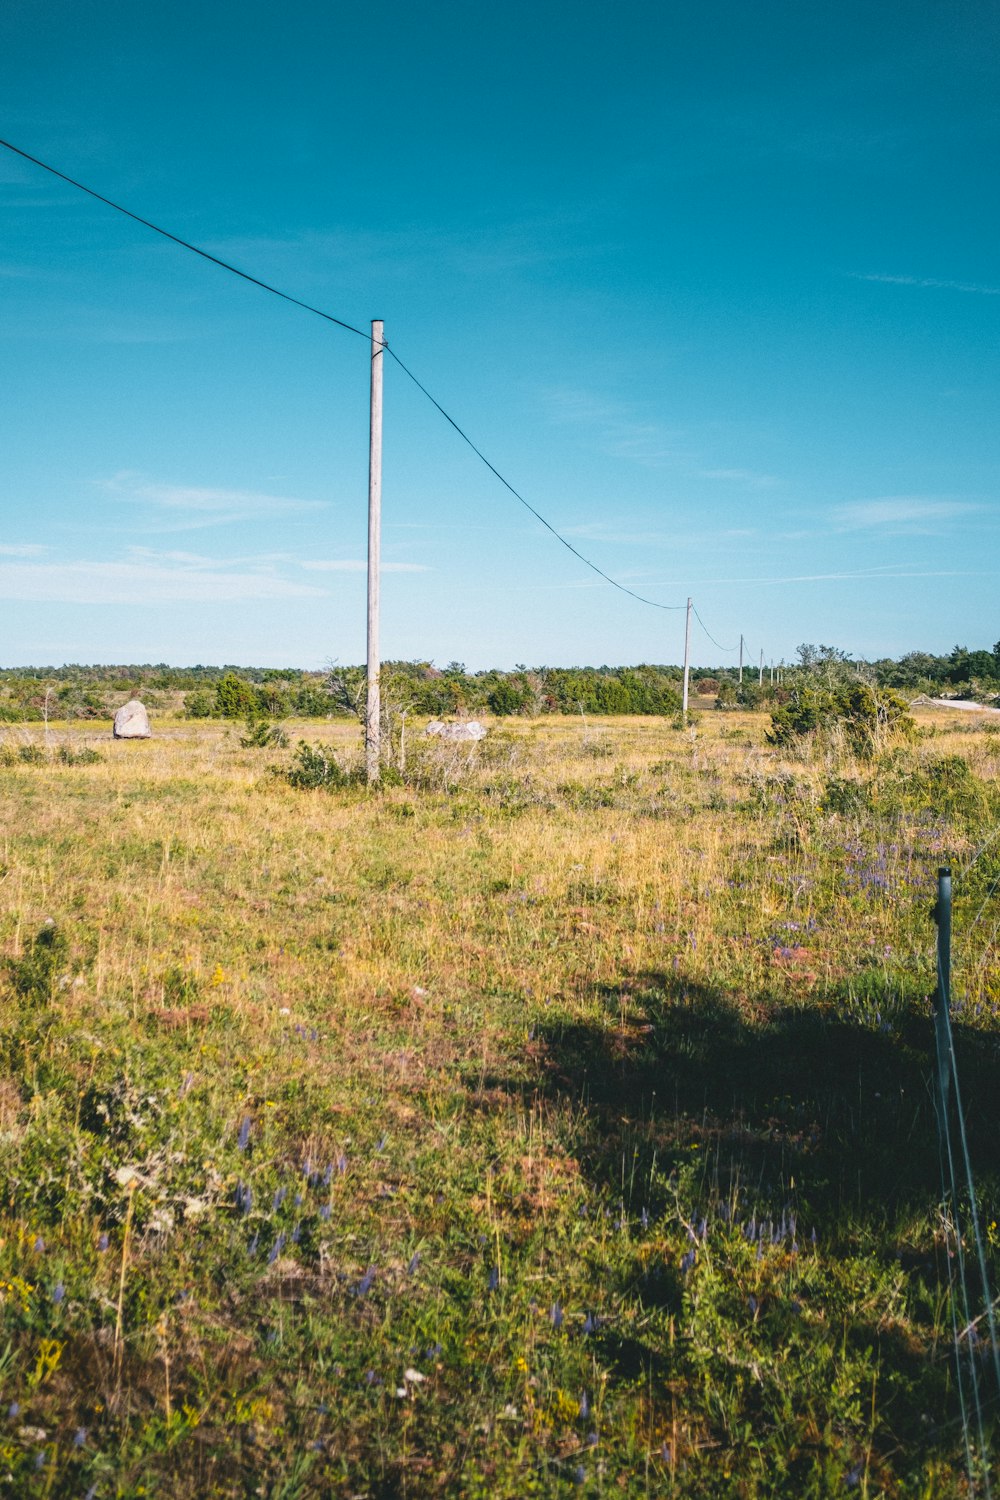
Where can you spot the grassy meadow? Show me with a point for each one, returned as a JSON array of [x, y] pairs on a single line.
[[555, 1121]]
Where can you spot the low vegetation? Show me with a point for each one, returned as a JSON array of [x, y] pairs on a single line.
[[82, 693], [555, 1120]]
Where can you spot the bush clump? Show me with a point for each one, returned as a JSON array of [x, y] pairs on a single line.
[[261, 735], [868, 717], [317, 766]]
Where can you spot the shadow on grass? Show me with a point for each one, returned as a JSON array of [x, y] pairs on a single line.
[[819, 1114], [833, 1097]]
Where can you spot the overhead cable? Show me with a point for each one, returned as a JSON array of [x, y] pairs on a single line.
[[185, 244], [352, 328], [711, 637], [653, 603]]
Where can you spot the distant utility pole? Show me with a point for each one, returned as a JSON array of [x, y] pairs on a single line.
[[741, 658], [373, 702], [687, 658], [760, 679]]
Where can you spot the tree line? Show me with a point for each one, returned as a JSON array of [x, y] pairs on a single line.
[[93, 692]]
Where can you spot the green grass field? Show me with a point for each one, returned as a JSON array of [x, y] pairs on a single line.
[[557, 1121]]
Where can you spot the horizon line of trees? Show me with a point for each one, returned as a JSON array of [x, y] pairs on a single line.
[[29, 694]]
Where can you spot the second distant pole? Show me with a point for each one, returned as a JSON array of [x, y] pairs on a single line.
[[687, 659], [373, 700]]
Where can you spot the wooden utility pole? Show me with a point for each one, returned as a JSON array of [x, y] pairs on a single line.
[[687, 657], [760, 679], [741, 658], [373, 702]]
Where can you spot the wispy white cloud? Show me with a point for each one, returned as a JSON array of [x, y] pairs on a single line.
[[486, 249], [617, 430], [741, 476], [870, 575], [26, 549], [359, 565], [929, 281], [198, 560], [902, 513], [192, 507], [139, 582], [613, 429], [601, 531]]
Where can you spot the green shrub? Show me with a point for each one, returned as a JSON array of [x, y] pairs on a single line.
[[317, 766], [261, 735], [507, 698], [85, 756], [235, 698], [868, 716], [846, 796], [200, 704]]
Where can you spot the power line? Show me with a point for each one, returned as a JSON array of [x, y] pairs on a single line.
[[711, 637], [653, 603], [351, 328], [185, 244]]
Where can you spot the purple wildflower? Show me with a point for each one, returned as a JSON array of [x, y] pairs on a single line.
[[278, 1199], [494, 1279], [243, 1139], [591, 1439], [102, 1243], [79, 1437], [324, 1212], [365, 1284], [584, 1411], [297, 1232], [58, 1293], [556, 1315], [580, 1475], [14, 1409], [341, 1163], [414, 1263], [590, 1323], [39, 1245]]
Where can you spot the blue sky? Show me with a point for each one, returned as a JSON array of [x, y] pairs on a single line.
[[716, 287]]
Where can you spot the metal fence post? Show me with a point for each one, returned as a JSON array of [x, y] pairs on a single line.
[[942, 999]]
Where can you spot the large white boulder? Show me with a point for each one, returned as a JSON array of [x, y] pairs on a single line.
[[132, 721], [468, 729]]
